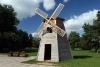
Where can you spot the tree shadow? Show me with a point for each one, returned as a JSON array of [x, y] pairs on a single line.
[[81, 56]]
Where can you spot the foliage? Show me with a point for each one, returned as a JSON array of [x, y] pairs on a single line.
[[24, 41], [74, 39], [91, 37], [8, 23], [86, 39], [11, 38], [96, 29], [8, 20]]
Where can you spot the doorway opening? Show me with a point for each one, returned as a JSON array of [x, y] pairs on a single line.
[[47, 54]]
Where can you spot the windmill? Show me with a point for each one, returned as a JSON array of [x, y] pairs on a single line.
[[53, 35]]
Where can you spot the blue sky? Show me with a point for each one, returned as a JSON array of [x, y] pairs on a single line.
[[75, 13]]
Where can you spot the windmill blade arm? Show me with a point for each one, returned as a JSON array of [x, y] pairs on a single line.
[[39, 30], [57, 11], [58, 30], [41, 13]]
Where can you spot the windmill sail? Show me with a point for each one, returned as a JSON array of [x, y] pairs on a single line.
[[41, 13], [44, 15], [57, 11], [39, 30], [56, 29], [54, 16]]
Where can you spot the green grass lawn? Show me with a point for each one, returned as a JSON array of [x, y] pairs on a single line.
[[31, 52], [82, 59]]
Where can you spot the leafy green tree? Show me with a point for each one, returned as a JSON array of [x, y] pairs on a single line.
[[74, 39], [24, 42], [91, 36], [8, 20], [86, 40], [10, 37], [96, 29], [8, 23]]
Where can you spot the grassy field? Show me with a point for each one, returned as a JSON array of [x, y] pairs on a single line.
[[82, 59], [31, 52]]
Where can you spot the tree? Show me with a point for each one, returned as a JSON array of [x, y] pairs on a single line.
[[91, 34], [96, 29], [8, 19], [24, 42], [8, 23], [87, 37], [10, 37], [74, 39]]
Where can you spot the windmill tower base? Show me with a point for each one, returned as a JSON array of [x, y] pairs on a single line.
[[53, 47]]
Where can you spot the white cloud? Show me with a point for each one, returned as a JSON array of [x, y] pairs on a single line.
[[65, 0], [49, 4], [25, 8], [75, 23]]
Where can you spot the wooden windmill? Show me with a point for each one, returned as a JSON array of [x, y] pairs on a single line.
[[54, 45]]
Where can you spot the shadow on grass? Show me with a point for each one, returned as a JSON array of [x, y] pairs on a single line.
[[81, 56]]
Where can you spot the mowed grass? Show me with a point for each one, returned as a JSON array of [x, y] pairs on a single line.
[[82, 59], [31, 52]]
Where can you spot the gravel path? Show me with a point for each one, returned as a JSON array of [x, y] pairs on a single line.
[[6, 61]]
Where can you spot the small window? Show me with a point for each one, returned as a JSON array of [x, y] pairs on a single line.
[[49, 30]]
